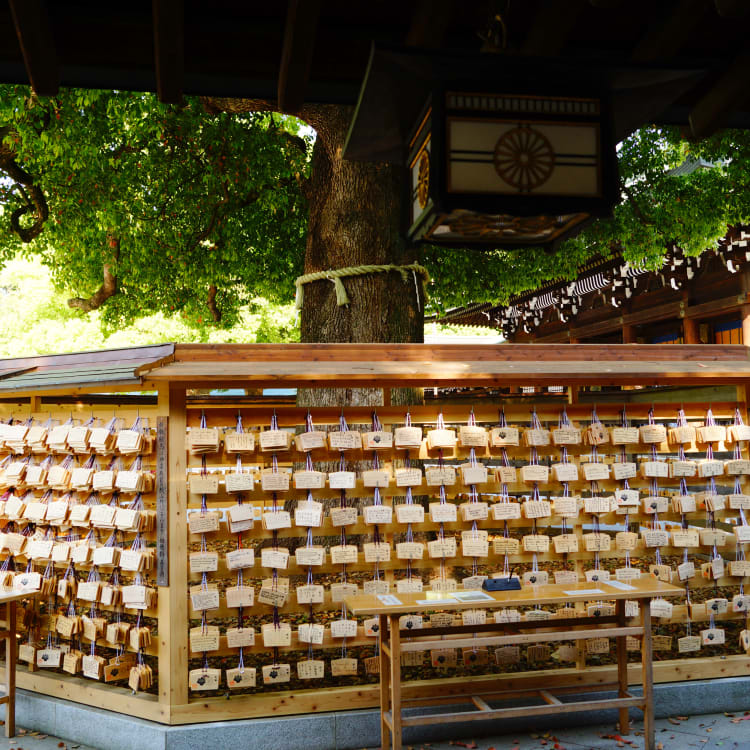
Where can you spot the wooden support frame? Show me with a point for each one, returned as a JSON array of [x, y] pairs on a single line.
[[174, 704], [392, 648], [173, 640]]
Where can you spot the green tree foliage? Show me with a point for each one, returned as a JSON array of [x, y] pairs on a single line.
[[35, 319], [657, 210], [139, 207], [153, 208]]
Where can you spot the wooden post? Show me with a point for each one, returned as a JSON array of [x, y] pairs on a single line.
[[690, 331], [172, 601], [647, 665], [622, 667], [745, 311], [628, 333], [385, 667], [11, 652], [394, 640]]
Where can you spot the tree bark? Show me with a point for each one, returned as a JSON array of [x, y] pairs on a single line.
[[356, 211], [110, 284], [356, 214]]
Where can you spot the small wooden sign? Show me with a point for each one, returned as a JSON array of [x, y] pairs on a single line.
[[276, 673], [240, 677], [204, 679], [407, 437]]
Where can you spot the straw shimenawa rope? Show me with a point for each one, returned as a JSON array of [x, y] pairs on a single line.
[[342, 298]]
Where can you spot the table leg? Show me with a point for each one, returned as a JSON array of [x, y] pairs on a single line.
[[622, 668], [395, 641], [647, 663], [10, 670], [385, 668]]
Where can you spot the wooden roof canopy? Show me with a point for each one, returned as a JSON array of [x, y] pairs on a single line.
[[317, 50], [371, 365]]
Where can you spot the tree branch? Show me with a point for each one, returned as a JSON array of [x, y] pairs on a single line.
[[109, 287], [35, 202], [211, 302], [636, 207]]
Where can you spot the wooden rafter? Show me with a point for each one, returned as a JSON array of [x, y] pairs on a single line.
[[34, 33], [732, 8], [169, 49], [664, 38], [552, 27], [296, 55], [710, 112], [429, 23]]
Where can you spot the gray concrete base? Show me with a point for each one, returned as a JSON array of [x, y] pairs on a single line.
[[343, 730]]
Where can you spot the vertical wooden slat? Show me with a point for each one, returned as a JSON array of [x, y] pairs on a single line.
[[384, 683], [10, 670], [647, 657], [690, 331], [172, 603], [622, 667], [395, 642], [169, 49], [745, 311]]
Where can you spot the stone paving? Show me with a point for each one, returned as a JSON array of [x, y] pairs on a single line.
[[28, 739], [727, 731], [730, 731]]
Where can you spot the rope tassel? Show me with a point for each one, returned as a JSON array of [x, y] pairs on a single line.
[[342, 298]]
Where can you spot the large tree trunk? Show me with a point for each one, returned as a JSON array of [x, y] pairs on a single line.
[[356, 212], [356, 217]]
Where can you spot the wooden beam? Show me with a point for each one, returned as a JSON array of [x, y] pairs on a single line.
[[716, 306], [729, 91], [429, 23], [296, 54], [552, 26], [577, 333], [664, 38], [558, 337], [37, 44], [650, 314], [365, 696], [169, 49], [732, 8], [269, 354]]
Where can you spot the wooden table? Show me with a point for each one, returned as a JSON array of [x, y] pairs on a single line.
[[9, 635], [395, 641]]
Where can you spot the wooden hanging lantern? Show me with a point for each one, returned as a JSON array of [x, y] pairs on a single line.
[[500, 151], [507, 169]]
